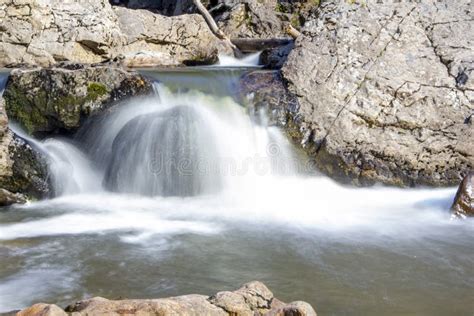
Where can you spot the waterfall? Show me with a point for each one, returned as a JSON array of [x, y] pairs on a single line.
[[188, 138], [162, 154]]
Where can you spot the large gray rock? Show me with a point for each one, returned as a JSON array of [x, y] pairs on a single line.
[[463, 204], [183, 39], [46, 100], [386, 90], [46, 32]]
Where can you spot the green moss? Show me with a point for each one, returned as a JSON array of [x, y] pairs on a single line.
[[95, 90], [20, 108], [34, 111]]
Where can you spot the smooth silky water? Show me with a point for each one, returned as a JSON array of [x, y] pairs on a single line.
[[204, 200]]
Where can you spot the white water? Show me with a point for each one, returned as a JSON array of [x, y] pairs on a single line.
[[250, 60], [262, 189], [255, 175]]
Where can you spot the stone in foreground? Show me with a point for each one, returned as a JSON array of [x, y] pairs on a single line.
[[463, 205], [253, 298]]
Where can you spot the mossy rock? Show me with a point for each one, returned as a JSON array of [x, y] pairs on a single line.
[[57, 100]]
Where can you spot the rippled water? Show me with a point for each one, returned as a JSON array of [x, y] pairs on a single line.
[[347, 251]]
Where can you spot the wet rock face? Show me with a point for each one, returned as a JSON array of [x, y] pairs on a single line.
[[386, 91], [266, 93], [47, 32], [51, 100], [23, 169], [463, 205], [167, 153], [253, 299]]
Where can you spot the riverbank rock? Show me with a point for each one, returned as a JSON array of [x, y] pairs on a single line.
[[463, 205], [385, 91], [252, 299], [23, 169], [59, 99], [47, 32]]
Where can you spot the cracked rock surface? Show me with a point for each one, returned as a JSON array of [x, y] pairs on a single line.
[[252, 299], [386, 92], [43, 33]]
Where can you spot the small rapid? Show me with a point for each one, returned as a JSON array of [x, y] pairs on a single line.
[[182, 192]]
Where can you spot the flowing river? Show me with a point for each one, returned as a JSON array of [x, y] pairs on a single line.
[[182, 193]]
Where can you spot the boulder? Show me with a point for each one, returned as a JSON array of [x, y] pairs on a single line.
[[252, 299], [44, 33], [463, 205], [59, 99], [183, 39], [385, 91]]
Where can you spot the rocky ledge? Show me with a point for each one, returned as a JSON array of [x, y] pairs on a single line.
[[47, 32], [384, 92], [252, 299]]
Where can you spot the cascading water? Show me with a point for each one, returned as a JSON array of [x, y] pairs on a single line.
[[160, 154], [181, 193]]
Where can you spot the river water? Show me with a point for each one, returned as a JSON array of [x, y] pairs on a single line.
[[181, 193]]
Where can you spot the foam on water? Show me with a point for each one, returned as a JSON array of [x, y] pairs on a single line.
[[251, 60], [263, 190]]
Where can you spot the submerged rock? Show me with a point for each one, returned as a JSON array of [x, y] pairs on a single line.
[[169, 153], [59, 99], [463, 205], [385, 91], [252, 299]]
